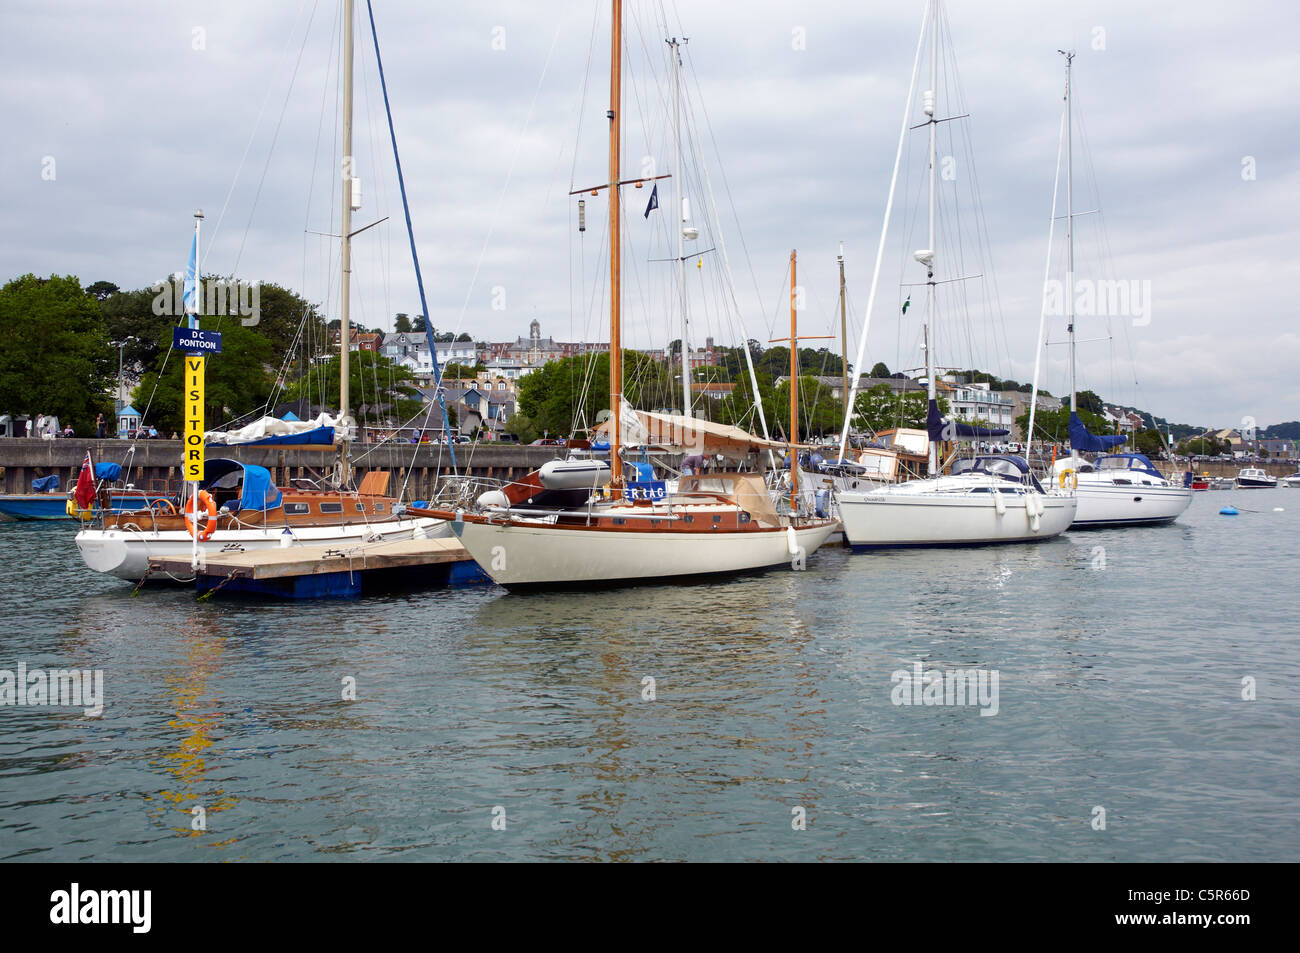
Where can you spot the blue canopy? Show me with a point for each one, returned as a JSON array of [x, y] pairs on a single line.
[[941, 429], [108, 471], [1129, 461], [1083, 439], [46, 484], [257, 492], [290, 415]]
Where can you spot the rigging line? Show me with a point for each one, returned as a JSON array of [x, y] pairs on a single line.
[[253, 132], [271, 151], [519, 144], [406, 208]]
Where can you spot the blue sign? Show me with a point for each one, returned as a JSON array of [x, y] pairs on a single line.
[[648, 490], [194, 341]]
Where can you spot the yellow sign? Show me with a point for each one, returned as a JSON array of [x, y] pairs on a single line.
[[194, 418]]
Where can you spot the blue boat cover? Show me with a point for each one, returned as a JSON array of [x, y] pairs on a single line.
[[1130, 461], [108, 471], [1081, 438], [941, 429], [319, 436], [46, 483], [258, 493]]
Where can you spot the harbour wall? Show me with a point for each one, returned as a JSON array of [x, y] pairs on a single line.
[[155, 466]]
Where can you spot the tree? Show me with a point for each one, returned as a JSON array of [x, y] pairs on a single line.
[[1087, 400], [102, 289], [880, 370], [460, 371], [402, 323], [1053, 426], [417, 324], [565, 395], [881, 407], [373, 380], [236, 382], [819, 412], [464, 336], [54, 355]]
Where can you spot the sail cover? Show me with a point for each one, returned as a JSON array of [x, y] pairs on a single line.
[[1083, 439], [941, 429], [258, 492]]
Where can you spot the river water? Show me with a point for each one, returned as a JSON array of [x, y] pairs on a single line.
[[1146, 709]]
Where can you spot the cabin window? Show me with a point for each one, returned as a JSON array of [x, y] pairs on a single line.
[[619, 521], [717, 519], [295, 509], [361, 507], [380, 507], [331, 507], [689, 518], [744, 517]]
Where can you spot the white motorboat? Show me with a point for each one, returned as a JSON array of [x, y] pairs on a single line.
[[1255, 478], [1290, 480]]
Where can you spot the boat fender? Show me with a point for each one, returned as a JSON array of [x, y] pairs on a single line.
[[1069, 476], [999, 504], [286, 538], [792, 540], [191, 519], [493, 498]]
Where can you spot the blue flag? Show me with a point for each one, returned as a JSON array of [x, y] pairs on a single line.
[[191, 297], [654, 201]]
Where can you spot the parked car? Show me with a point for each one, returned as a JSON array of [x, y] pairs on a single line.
[[507, 438], [548, 442]]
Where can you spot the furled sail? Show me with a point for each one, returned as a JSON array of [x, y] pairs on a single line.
[[1083, 439], [941, 429]]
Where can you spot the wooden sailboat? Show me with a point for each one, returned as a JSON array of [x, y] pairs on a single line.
[[717, 522]]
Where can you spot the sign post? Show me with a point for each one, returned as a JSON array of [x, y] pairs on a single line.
[[194, 368]]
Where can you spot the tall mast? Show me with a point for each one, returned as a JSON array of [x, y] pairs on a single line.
[[794, 389], [345, 283], [844, 334], [615, 285], [1069, 233], [930, 105], [678, 223]]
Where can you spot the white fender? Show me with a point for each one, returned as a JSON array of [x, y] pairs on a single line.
[[999, 504], [792, 540]]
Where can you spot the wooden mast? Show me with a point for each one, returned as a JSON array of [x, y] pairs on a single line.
[[794, 383], [615, 285]]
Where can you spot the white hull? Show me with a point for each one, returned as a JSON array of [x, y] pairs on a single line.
[[524, 554], [1289, 481], [1104, 503], [944, 512], [125, 553]]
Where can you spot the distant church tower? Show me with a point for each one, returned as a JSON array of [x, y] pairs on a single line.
[[535, 332]]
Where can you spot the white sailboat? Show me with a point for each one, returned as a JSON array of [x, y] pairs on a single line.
[[717, 522], [990, 499], [1117, 489], [236, 507]]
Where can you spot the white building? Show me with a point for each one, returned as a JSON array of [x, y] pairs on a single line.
[[978, 402], [411, 350]]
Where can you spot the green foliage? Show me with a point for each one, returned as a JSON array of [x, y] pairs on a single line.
[[372, 380], [1210, 446], [236, 381], [880, 407], [1053, 426], [553, 399], [402, 323], [54, 354], [881, 369], [819, 412], [457, 371], [1150, 442], [1090, 402]]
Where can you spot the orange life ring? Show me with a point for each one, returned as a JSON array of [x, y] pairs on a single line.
[[192, 523]]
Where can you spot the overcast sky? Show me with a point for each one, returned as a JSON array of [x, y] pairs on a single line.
[[121, 119]]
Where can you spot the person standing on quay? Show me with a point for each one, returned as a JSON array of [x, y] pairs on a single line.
[[99, 425]]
